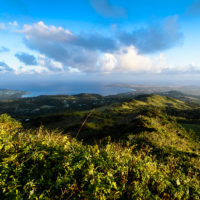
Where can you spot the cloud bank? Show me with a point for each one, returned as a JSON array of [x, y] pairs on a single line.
[[77, 51], [154, 38], [98, 53]]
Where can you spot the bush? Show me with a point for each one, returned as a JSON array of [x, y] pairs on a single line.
[[42, 164]]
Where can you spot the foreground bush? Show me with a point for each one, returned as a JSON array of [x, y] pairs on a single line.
[[46, 165]]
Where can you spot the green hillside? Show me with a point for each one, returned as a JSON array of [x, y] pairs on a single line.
[[144, 148], [118, 119]]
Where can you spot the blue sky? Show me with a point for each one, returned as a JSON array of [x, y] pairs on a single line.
[[105, 40]]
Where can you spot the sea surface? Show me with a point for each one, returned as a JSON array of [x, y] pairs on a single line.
[[72, 88]]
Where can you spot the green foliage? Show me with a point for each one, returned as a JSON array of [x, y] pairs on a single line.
[[8, 121], [43, 164]]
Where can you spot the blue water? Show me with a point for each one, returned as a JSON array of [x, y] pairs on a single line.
[[71, 88]]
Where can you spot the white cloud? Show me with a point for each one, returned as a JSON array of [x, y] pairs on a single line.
[[192, 68], [43, 31], [41, 70], [50, 64], [107, 63], [44, 65], [61, 45], [73, 70], [63, 51], [85, 53], [127, 60], [40, 36], [31, 70]]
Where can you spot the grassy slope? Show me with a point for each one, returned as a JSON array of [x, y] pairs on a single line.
[[148, 118], [112, 118], [152, 157], [44, 164]]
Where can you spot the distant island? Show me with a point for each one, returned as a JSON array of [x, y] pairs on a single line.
[[6, 94], [150, 89]]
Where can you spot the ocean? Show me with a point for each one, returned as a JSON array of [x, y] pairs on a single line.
[[71, 88]]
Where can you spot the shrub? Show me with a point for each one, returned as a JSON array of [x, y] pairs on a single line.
[[44, 164]]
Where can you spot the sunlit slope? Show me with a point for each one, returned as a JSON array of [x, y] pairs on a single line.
[[44, 164], [114, 115], [150, 121]]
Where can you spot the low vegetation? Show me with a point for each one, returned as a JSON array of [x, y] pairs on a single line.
[[146, 148]]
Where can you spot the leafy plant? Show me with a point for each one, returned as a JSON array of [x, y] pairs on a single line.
[[44, 164]]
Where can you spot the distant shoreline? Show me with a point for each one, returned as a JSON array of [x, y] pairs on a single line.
[[102, 90], [93, 88]]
